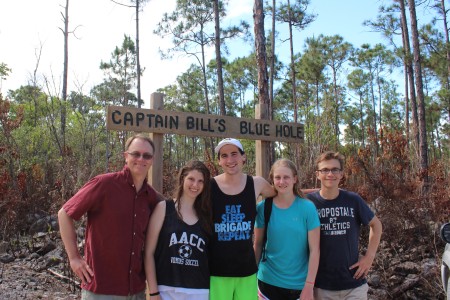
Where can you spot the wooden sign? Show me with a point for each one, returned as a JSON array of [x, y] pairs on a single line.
[[195, 124]]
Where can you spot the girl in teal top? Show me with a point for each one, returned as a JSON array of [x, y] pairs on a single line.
[[292, 250]]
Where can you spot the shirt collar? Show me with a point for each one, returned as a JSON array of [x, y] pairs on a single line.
[[127, 173]]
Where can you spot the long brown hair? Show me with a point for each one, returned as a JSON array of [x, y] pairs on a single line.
[[283, 162], [202, 204]]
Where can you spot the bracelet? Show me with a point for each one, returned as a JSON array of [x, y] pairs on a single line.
[[310, 282], [154, 294]]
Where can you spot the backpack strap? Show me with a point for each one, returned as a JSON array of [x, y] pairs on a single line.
[[267, 212]]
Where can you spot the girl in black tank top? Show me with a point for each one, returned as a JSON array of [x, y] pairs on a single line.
[[178, 238]]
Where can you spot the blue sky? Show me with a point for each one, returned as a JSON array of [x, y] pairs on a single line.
[[27, 24], [344, 18]]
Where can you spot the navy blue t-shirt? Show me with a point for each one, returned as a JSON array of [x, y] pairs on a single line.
[[340, 223]]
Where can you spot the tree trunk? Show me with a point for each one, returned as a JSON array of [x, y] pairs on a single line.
[[410, 73], [205, 82], [406, 106], [380, 97], [272, 61], [205, 88], [262, 147], [423, 144], [291, 47], [272, 75], [361, 120], [260, 45], [219, 59], [65, 75], [138, 64], [447, 42], [336, 111], [374, 111]]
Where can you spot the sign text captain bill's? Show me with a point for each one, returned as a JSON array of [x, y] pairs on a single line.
[[194, 124]]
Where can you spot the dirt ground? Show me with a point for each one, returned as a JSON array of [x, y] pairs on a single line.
[[19, 281]]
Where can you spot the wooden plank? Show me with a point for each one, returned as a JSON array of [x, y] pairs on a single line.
[[155, 177], [195, 124], [262, 149]]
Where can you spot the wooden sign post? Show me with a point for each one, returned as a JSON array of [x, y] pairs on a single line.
[[262, 147], [155, 174], [158, 121]]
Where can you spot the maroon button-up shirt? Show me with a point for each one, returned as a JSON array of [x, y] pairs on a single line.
[[117, 219]]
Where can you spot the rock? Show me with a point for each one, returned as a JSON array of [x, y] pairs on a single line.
[[45, 224], [6, 258], [429, 267], [4, 247], [49, 246], [52, 261], [396, 279], [81, 232], [53, 258], [375, 294], [32, 256], [33, 217], [374, 280], [39, 235], [395, 261], [57, 252], [405, 286], [406, 268]]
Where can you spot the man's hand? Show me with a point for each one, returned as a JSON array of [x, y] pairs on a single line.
[[81, 269], [364, 264]]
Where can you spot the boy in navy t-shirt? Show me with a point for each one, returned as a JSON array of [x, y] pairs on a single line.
[[342, 272]]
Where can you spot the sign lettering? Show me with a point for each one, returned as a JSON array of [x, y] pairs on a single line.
[[195, 124]]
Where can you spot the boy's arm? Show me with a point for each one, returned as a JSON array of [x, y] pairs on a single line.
[[263, 187], [365, 262], [309, 191]]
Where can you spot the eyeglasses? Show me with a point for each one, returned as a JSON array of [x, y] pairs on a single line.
[[327, 171], [137, 155]]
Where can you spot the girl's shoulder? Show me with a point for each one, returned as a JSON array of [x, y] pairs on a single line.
[[304, 201]]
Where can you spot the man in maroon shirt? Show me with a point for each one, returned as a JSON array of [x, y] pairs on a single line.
[[118, 206]]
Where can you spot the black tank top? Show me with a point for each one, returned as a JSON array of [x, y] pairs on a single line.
[[181, 255], [232, 252]]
